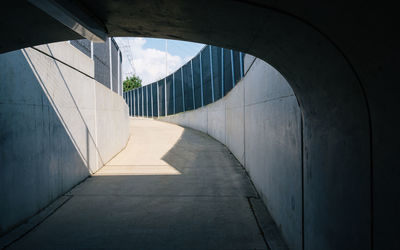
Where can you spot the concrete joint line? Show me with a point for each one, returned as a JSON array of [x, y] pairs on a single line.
[[257, 222], [269, 100], [267, 227]]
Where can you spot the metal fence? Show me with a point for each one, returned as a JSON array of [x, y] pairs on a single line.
[[209, 76], [107, 59]]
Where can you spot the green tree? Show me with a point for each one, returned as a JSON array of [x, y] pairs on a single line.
[[132, 82]]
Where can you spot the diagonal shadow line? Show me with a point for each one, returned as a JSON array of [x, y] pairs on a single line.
[[52, 103], [76, 105], [57, 110]]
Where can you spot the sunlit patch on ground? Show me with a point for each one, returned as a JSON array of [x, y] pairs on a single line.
[[138, 170]]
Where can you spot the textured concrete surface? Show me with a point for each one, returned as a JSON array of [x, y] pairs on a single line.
[[56, 127], [112, 122], [273, 147], [341, 59], [260, 122], [216, 121], [170, 188], [235, 121], [69, 55]]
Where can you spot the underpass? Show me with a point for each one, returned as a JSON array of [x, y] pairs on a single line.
[[170, 188], [340, 190]]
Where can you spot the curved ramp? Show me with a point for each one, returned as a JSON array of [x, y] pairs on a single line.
[[170, 188]]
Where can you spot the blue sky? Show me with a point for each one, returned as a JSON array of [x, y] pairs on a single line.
[[149, 59], [175, 47]]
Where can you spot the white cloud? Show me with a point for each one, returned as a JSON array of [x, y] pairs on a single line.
[[150, 63]]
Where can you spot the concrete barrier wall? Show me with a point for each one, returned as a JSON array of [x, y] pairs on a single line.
[[58, 125], [260, 122]]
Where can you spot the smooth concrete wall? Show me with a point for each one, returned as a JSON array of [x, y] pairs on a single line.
[[112, 122], [58, 125], [260, 122]]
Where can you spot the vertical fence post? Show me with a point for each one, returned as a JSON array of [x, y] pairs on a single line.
[[222, 73], [201, 82], [158, 102], [147, 101], [233, 70], [110, 54], [212, 75], [142, 103], [134, 96], [165, 96], [128, 94], [118, 77], [134, 93], [151, 99], [183, 91], [191, 69], [241, 64], [138, 102], [134, 103], [128, 102], [139, 110], [173, 94]]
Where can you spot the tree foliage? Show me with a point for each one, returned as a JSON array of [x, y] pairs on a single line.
[[132, 82]]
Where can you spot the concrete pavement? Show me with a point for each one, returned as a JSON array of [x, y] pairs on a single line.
[[170, 188]]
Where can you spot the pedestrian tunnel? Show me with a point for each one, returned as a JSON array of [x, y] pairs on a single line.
[[308, 113]]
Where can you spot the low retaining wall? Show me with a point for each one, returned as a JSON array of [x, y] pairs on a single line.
[[58, 125], [260, 122]]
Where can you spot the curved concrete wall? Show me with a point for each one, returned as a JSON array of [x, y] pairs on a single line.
[[341, 59], [260, 122], [58, 125]]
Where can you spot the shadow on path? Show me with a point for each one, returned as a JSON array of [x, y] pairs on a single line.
[[171, 188]]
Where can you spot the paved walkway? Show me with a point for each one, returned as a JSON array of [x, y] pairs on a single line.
[[170, 188]]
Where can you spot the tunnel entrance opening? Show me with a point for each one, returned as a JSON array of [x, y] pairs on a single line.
[[226, 119], [337, 152]]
